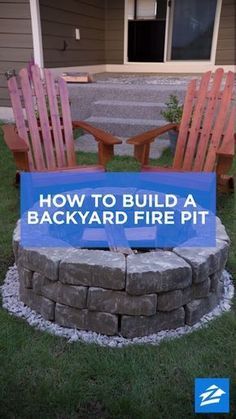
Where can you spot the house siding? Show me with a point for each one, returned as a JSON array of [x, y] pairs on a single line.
[[59, 20], [225, 52], [101, 24], [16, 43], [115, 31]]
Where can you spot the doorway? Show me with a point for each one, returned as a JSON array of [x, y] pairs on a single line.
[[146, 30]]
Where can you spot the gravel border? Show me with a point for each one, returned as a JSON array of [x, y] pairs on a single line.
[[11, 302]]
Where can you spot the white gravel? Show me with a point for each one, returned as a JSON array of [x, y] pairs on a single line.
[[12, 303]]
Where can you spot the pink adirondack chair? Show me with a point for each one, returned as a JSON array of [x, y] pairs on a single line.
[[42, 137], [206, 135]]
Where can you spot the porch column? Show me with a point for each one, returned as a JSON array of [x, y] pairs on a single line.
[[36, 32]]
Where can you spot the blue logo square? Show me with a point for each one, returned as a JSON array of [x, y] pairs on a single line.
[[212, 395]]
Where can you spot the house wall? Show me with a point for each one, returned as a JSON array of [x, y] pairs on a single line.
[[226, 45], [59, 20], [101, 24], [115, 31], [16, 44]]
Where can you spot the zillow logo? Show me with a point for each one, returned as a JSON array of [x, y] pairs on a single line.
[[212, 395]]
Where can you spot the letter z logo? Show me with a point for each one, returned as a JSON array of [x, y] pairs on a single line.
[[211, 395]]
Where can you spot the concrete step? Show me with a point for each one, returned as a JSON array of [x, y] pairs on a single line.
[[82, 96], [87, 143], [122, 127], [127, 109]]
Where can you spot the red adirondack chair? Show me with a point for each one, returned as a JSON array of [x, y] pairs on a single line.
[[42, 139], [206, 139]]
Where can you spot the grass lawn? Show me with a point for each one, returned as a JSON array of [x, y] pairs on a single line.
[[42, 376]]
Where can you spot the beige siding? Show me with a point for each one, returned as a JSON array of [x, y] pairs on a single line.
[[16, 44], [59, 20], [225, 53], [115, 31]]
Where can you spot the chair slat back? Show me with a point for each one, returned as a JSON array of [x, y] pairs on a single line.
[[227, 145], [19, 114], [43, 119], [67, 123], [184, 126], [211, 109], [42, 113], [35, 140], [196, 122], [203, 128], [55, 119], [220, 123]]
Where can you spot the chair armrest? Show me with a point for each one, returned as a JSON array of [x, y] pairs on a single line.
[[14, 142], [223, 153], [148, 136], [227, 150], [98, 133]]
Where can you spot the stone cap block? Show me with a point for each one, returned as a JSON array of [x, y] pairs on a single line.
[[155, 272], [95, 268], [205, 260], [43, 260]]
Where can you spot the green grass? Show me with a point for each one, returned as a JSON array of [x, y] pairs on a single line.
[[45, 377]]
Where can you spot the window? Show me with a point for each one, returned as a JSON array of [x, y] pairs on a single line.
[[146, 9], [193, 25]]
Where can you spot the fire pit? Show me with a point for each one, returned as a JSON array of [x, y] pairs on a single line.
[[114, 294]]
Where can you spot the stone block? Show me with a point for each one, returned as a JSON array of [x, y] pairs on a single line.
[[169, 301], [187, 295], [42, 260], [198, 308], [37, 283], [40, 304], [133, 326], [205, 261], [121, 303], [45, 287], [94, 268], [25, 276], [70, 317], [217, 283], [201, 290], [47, 309], [72, 295], [196, 291], [156, 272], [104, 323], [221, 231]]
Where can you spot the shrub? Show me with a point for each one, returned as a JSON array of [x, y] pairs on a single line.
[[174, 110]]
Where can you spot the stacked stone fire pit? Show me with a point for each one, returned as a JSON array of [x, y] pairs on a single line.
[[114, 294]]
